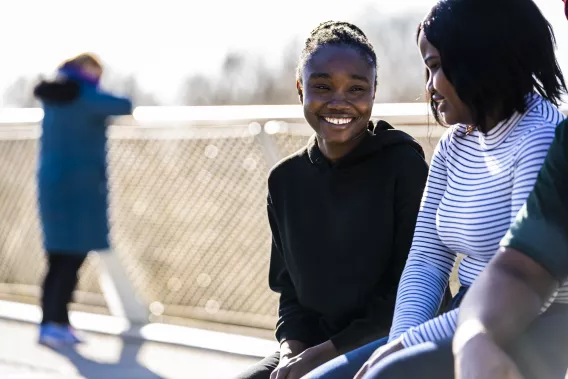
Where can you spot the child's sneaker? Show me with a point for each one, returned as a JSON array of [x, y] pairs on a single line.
[[52, 335], [55, 335]]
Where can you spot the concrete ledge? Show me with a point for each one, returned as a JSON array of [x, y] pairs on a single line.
[[152, 332]]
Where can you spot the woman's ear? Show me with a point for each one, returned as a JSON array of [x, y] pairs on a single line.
[[300, 91]]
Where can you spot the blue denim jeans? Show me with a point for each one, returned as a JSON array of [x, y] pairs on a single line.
[[347, 365]]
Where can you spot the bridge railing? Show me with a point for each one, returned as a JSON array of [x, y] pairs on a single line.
[[187, 206]]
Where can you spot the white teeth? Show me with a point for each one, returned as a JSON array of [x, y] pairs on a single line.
[[338, 121]]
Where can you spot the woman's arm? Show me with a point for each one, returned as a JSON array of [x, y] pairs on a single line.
[[430, 262], [295, 323], [104, 104]]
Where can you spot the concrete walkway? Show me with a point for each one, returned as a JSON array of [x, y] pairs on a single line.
[[108, 357]]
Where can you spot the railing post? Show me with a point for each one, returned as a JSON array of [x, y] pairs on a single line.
[[118, 290], [269, 149]]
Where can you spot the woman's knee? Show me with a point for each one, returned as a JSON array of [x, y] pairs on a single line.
[[346, 365], [425, 361]]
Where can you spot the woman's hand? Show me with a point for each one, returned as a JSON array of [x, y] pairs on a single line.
[[300, 365], [378, 355]]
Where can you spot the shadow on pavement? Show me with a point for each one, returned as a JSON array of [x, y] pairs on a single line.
[[127, 366]]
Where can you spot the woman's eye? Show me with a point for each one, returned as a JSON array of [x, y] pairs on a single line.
[[434, 66], [320, 86], [357, 89]]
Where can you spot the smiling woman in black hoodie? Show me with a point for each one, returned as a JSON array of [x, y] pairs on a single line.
[[342, 210]]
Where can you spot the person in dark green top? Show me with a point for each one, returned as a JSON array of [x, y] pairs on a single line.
[[541, 228], [503, 305]]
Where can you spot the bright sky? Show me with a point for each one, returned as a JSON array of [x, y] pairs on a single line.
[[161, 41]]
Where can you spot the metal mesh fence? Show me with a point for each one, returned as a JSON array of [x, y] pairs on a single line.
[[188, 220]]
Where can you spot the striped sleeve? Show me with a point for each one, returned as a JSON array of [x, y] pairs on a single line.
[[430, 262], [528, 161], [440, 328]]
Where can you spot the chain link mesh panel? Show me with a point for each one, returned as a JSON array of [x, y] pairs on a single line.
[[188, 221], [188, 218]]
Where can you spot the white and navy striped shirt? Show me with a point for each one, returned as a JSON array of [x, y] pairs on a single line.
[[476, 186]]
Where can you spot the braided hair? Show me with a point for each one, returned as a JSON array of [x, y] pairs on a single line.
[[336, 33]]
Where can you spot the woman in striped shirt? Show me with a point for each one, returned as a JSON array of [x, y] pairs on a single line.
[[492, 74]]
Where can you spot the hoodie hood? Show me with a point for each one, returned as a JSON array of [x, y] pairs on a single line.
[[66, 88], [381, 136]]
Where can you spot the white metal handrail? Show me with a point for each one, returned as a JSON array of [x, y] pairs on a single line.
[[397, 113]]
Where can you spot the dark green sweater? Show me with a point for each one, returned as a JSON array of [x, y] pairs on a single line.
[[341, 236]]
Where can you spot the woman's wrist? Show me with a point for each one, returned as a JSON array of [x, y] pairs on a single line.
[[329, 350], [291, 348]]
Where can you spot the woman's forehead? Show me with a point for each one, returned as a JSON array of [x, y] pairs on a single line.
[[330, 56]]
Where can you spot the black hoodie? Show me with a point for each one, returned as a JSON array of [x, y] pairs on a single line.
[[341, 235]]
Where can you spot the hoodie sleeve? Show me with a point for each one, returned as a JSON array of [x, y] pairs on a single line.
[[104, 104], [294, 321], [376, 323]]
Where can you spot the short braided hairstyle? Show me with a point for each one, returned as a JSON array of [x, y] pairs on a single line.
[[336, 33]]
